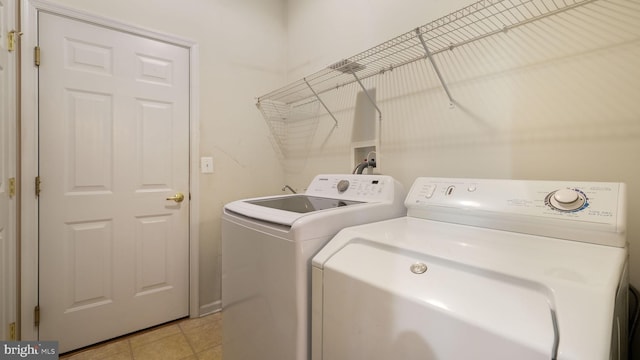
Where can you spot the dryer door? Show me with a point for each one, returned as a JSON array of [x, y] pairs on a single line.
[[378, 304]]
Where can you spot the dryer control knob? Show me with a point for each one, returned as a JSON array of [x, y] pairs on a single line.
[[566, 196], [343, 185], [567, 200]]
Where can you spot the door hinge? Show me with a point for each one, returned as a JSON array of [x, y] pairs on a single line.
[[12, 187], [11, 40], [12, 331], [36, 55], [36, 316], [38, 188]]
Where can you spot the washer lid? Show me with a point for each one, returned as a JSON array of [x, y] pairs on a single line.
[[326, 194], [382, 303], [286, 210], [302, 203]]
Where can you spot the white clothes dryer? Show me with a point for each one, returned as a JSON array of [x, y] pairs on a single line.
[[267, 246], [479, 269]]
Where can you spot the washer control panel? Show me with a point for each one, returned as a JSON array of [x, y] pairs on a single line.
[[565, 209], [353, 187]]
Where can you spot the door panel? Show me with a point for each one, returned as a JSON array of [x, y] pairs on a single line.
[[90, 141], [114, 145]]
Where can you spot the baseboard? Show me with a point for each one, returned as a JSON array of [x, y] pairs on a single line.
[[211, 308]]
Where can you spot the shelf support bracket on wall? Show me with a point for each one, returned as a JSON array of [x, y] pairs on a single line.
[[435, 66], [366, 92], [321, 102]]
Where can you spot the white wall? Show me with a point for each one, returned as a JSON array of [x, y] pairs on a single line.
[[241, 45], [553, 101], [558, 99]]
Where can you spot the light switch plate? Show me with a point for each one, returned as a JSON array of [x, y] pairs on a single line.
[[206, 165]]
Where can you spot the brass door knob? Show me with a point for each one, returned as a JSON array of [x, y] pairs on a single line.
[[178, 197]]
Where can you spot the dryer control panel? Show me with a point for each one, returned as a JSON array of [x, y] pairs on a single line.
[[593, 212]]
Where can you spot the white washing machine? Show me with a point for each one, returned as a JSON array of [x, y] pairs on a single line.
[[479, 269], [267, 246]]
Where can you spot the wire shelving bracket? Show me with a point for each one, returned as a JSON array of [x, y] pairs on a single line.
[[321, 102], [350, 67], [435, 66], [366, 92]]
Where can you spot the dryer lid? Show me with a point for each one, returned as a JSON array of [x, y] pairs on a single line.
[[378, 304]]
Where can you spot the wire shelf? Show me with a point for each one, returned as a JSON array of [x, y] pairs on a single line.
[[476, 21], [292, 127]]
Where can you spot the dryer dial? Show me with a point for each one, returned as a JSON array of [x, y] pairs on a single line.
[[567, 200]]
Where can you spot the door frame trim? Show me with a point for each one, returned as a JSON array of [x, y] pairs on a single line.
[[9, 301], [29, 151]]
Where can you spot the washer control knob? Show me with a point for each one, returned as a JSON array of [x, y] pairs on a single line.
[[343, 185], [567, 200]]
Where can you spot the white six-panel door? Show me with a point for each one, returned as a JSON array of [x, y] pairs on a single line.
[[114, 145], [7, 170]]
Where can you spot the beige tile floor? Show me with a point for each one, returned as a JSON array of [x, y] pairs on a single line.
[[187, 339]]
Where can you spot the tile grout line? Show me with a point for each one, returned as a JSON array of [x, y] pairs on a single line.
[[130, 348], [193, 350], [183, 330]]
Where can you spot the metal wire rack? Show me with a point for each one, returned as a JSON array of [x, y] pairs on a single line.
[[292, 128], [283, 107], [476, 21]]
